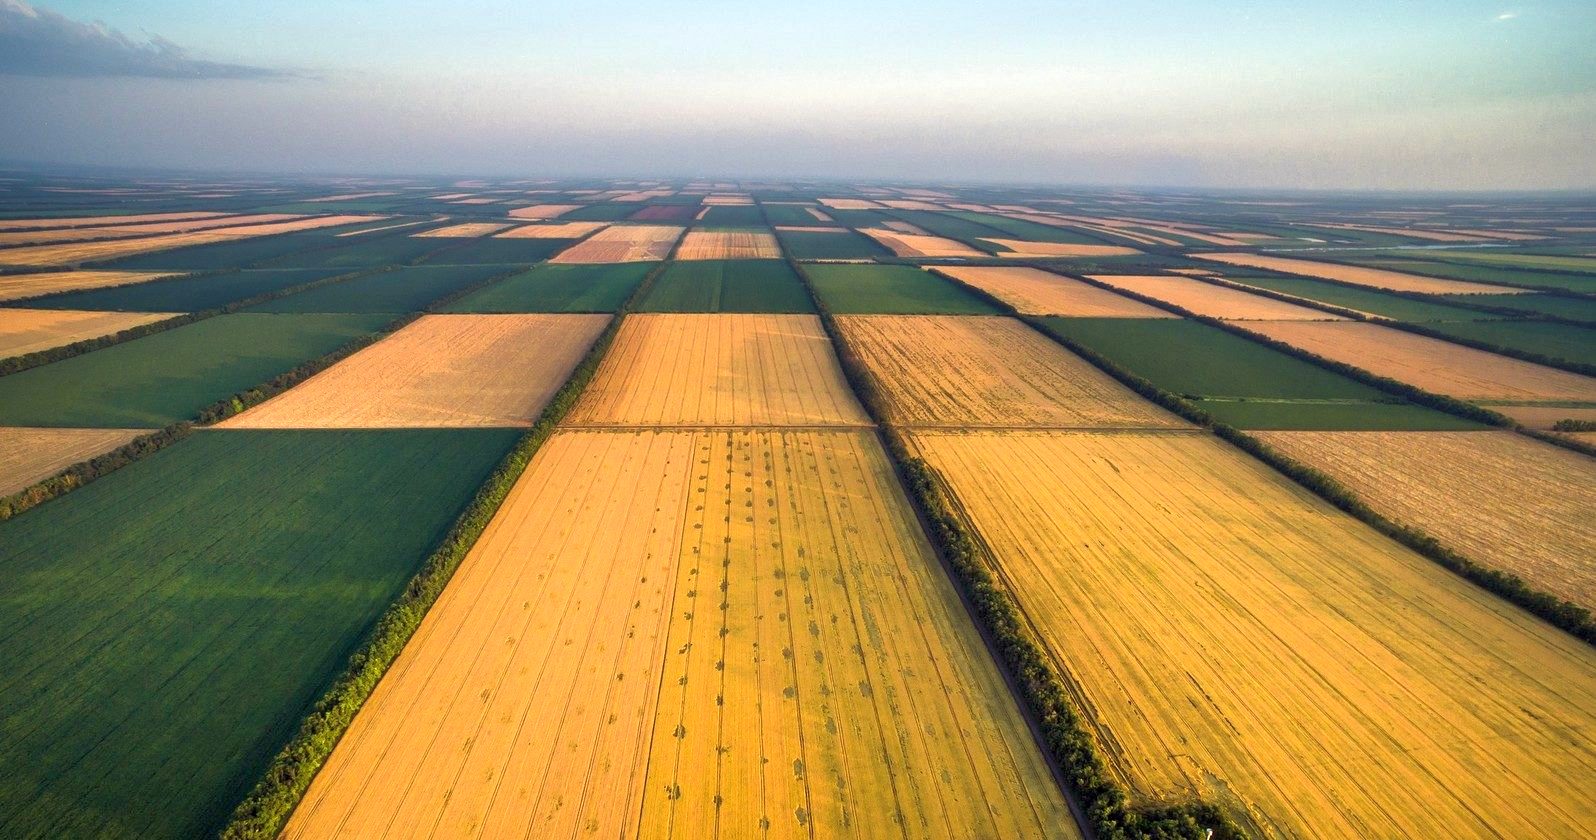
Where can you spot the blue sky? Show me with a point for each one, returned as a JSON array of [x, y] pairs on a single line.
[[1417, 94]]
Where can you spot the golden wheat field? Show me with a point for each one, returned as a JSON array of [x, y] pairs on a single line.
[[543, 211], [919, 244], [1502, 499], [987, 371], [1378, 278], [19, 286], [31, 330], [79, 252], [622, 243], [28, 455], [97, 221], [1231, 636], [693, 634], [1544, 416], [719, 370], [850, 203], [1021, 248], [464, 230], [440, 371], [728, 245], [1213, 300], [558, 230], [1032, 291], [1430, 363], [82, 234]]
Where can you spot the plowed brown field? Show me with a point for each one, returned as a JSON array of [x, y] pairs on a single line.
[[1032, 291], [28, 455], [1430, 363], [622, 243], [1215, 301], [728, 245], [719, 370], [988, 371], [440, 371], [1378, 278], [1233, 637], [1500, 498], [693, 634], [32, 330]]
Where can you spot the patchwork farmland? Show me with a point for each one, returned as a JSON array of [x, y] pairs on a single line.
[[645, 508]]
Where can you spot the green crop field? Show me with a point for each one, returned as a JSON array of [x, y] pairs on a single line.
[[558, 288], [186, 294], [165, 628], [956, 227], [842, 244], [367, 251], [727, 286], [1548, 338], [172, 375], [1537, 303], [892, 290], [792, 214], [1504, 275], [236, 254], [1241, 381], [1029, 231], [488, 250], [406, 289], [1365, 300], [734, 215]]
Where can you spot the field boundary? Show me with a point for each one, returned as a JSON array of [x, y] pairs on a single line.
[[1558, 290], [1565, 615], [282, 786], [1101, 805]]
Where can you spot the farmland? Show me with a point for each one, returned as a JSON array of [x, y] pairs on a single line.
[[101, 251], [19, 286], [622, 243], [1377, 278], [719, 370], [406, 289], [167, 626], [824, 244], [1032, 291], [28, 455], [727, 286], [186, 294], [1203, 298], [891, 289], [1237, 639], [700, 244], [31, 330], [440, 371], [558, 288]]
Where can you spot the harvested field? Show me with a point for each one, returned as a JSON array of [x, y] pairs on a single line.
[[1032, 291], [465, 230], [1024, 248], [819, 214], [31, 330], [1374, 302], [83, 252], [20, 286], [729, 200], [851, 204], [700, 244], [1379, 278], [440, 371], [917, 245], [1545, 416], [96, 221], [592, 594], [543, 211], [28, 455], [719, 370], [975, 371], [1502, 499], [1233, 637], [1213, 300], [622, 243], [82, 234], [562, 230], [166, 627], [1430, 363]]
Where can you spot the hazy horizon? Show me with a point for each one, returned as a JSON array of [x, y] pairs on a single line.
[[1352, 95]]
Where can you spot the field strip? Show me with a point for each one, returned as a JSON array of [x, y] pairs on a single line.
[[719, 370], [1214, 301], [1378, 278], [693, 634], [32, 330], [19, 286], [701, 244], [440, 371], [1032, 291], [80, 252], [622, 243], [81, 234], [955, 370], [29, 455], [1233, 638], [97, 221]]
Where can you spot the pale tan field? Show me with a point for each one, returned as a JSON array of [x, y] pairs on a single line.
[[1235, 638], [440, 371], [559, 230], [850, 203], [1411, 233], [79, 252], [84, 234], [476, 201], [1544, 416], [693, 634], [988, 371], [1032, 291], [364, 231], [1499, 498], [719, 370], [819, 214], [464, 230], [1017, 248], [1193, 272], [542, 211], [29, 455], [96, 221], [729, 200], [728, 245], [1511, 236], [622, 243], [915, 245], [910, 204], [1378, 278], [1213, 300], [1430, 363], [31, 330], [16, 286], [347, 197]]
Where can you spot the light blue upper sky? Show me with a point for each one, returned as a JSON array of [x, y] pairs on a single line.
[[1423, 93]]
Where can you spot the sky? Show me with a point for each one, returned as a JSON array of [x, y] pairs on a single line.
[[1338, 94]]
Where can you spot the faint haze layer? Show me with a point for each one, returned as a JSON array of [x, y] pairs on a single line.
[[1444, 94]]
